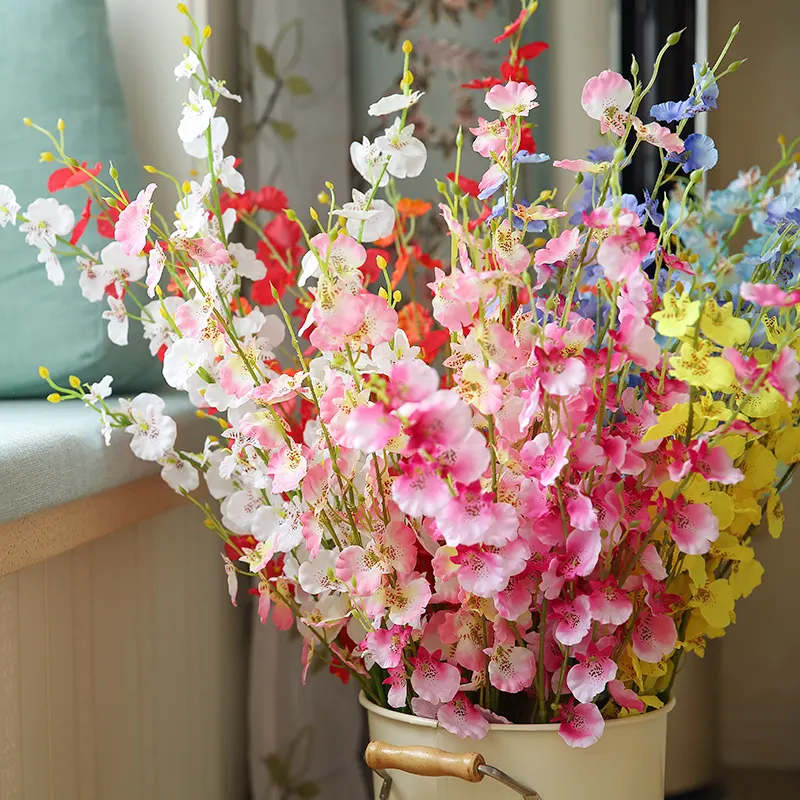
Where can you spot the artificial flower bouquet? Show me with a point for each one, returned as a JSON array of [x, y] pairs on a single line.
[[541, 522]]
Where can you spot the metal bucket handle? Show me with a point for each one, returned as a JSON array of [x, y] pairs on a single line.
[[435, 763]]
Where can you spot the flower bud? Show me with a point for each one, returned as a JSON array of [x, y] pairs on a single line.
[[539, 241], [182, 8], [54, 397], [149, 168], [28, 121], [397, 296], [44, 373], [61, 124], [460, 137], [186, 187], [46, 156], [74, 381], [324, 198], [207, 32], [200, 414], [408, 77], [696, 176], [736, 64], [441, 187], [407, 46], [381, 262], [313, 212], [112, 171], [782, 140], [674, 38], [329, 186], [579, 178], [290, 215], [187, 41], [634, 66]]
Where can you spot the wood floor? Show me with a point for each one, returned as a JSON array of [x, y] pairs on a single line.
[[749, 784]]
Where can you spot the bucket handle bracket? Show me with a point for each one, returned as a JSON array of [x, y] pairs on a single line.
[[432, 762]]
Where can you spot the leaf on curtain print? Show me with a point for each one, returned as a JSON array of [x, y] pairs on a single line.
[[266, 61], [284, 129], [298, 85]]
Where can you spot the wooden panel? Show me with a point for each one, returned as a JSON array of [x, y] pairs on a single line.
[[122, 671], [49, 533]]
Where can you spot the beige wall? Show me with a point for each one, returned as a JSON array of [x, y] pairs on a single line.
[[122, 671], [759, 680]]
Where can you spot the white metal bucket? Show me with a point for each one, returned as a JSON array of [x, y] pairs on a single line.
[[626, 764]]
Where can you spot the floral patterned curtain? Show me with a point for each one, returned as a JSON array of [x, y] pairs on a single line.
[[305, 741]]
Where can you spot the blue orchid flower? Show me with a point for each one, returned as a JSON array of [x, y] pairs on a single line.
[[705, 92], [699, 152]]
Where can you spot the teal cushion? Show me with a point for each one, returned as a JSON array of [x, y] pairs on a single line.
[[56, 56]]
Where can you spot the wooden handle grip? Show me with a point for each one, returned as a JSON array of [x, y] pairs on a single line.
[[428, 761]]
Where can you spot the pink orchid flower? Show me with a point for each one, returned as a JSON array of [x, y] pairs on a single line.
[[608, 604], [589, 676], [769, 294], [545, 459], [583, 549], [658, 135], [574, 619], [463, 629], [693, 526], [654, 636], [490, 137], [581, 725], [509, 249], [398, 686], [420, 490], [620, 255], [473, 517], [606, 98], [391, 550], [434, 680], [625, 698], [783, 374], [462, 718], [370, 428], [133, 224], [385, 646], [287, 468], [515, 99], [511, 669]]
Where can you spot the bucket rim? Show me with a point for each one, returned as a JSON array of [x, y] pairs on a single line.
[[549, 727]]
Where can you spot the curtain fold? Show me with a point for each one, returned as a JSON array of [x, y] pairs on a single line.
[[304, 740]]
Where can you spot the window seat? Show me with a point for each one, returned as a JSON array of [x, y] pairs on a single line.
[[60, 486]]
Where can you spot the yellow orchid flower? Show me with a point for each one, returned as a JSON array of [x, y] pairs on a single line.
[[775, 515], [787, 446], [764, 403], [774, 330], [718, 324], [748, 510], [759, 466], [745, 576], [677, 315], [729, 548], [715, 602], [698, 366]]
